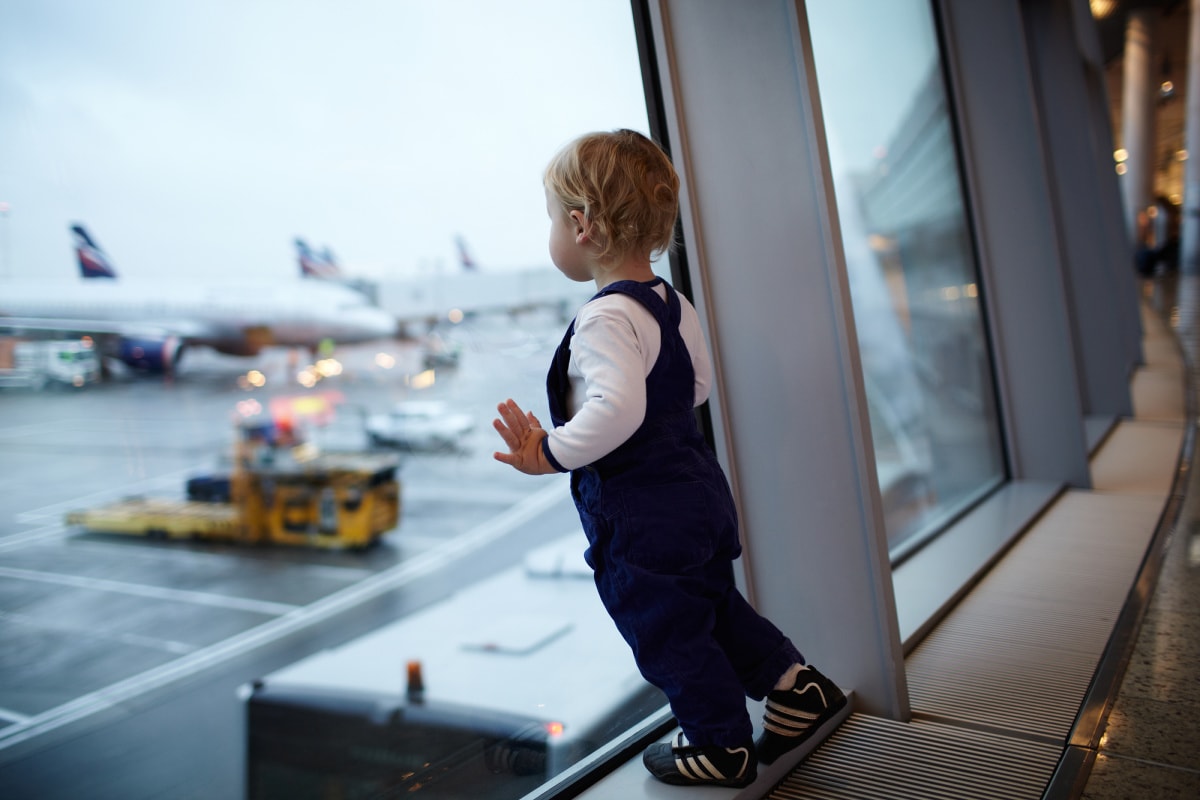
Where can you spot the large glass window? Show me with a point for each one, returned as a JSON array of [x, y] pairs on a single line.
[[269, 266], [909, 254]]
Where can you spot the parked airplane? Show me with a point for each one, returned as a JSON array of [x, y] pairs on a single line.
[[147, 325], [434, 297], [92, 261], [316, 265], [465, 259], [322, 266]]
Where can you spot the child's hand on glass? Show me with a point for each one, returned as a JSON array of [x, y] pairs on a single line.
[[523, 434]]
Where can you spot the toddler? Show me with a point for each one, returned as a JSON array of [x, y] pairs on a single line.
[[654, 503]]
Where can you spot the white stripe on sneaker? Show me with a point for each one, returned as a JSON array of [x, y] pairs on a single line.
[[698, 768], [812, 685], [790, 715]]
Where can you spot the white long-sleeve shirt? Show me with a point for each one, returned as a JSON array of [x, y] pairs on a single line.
[[615, 345]]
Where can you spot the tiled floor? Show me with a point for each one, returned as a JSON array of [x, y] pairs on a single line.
[[1151, 746]]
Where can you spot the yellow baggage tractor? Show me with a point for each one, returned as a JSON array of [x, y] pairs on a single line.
[[275, 495], [162, 518]]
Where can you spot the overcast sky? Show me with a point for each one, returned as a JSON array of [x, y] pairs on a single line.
[[199, 137]]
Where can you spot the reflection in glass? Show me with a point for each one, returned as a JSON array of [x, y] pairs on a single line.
[[909, 259], [234, 146]]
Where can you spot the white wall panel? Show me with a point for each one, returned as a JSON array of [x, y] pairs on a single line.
[[790, 414], [1024, 287], [1101, 295]]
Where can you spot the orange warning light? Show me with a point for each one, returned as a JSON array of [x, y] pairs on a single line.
[[416, 683]]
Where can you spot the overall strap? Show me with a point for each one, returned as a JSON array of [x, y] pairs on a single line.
[[666, 312]]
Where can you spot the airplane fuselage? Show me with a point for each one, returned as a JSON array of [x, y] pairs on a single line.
[[238, 318]]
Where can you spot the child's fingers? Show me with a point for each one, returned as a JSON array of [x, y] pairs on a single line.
[[518, 414], [512, 415], [506, 434], [507, 416], [520, 431]]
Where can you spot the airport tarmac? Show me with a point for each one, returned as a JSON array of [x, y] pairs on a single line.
[[121, 657]]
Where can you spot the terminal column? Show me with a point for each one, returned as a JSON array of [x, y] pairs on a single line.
[[1189, 262], [1137, 115]]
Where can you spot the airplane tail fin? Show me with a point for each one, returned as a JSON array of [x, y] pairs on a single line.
[[316, 265], [93, 263], [465, 259]]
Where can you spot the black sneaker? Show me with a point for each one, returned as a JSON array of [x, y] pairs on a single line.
[[683, 764], [792, 715]]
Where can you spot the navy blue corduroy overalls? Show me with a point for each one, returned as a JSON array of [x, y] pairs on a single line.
[[662, 536]]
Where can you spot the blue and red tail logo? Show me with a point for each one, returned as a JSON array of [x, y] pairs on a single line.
[[316, 265], [465, 259], [92, 261]]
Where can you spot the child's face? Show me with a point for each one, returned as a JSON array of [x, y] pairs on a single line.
[[569, 246]]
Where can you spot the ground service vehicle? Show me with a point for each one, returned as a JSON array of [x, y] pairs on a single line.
[[276, 494], [485, 695], [36, 363], [419, 425]]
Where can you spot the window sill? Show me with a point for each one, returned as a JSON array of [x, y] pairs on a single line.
[[932, 580]]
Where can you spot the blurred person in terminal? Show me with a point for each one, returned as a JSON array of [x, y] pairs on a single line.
[[657, 510], [1157, 250]]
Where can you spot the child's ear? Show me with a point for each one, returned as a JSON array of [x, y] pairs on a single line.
[[582, 228]]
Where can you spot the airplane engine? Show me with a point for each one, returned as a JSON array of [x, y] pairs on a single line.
[[149, 355], [251, 342]]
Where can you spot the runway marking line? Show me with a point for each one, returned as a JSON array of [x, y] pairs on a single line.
[[153, 592], [134, 639], [425, 563], [222, 558], [37, 534], [156, 483], [13, 716]]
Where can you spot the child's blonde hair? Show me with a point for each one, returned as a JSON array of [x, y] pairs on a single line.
[[626, 188]]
